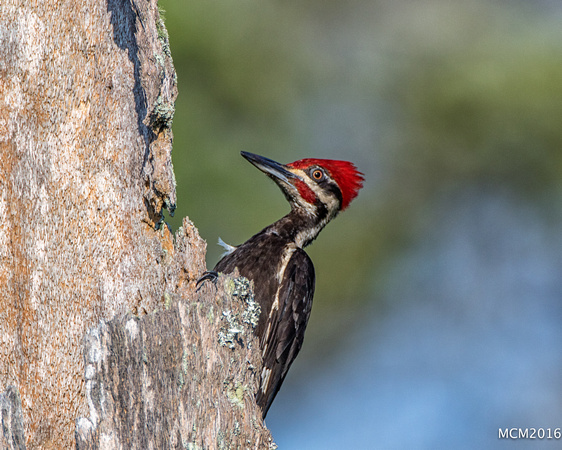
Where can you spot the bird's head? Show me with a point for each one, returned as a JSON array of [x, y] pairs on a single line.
[[320, 187]]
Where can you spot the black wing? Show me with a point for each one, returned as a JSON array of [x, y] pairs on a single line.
[[284, 330]]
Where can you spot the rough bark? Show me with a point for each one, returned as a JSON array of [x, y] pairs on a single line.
[[12, 436], [87, 93], [187, 374]]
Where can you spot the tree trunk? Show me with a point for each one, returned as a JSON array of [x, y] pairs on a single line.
[[87, 93]]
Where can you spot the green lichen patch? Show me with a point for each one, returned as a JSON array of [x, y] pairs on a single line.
[[229, 335], [235, 393], [167, 300], [231, 332], [162, 114], [242, 289], [162, 31]]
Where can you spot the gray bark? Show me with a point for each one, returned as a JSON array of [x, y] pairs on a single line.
[[187, 374], [87, 93], [12, 435]]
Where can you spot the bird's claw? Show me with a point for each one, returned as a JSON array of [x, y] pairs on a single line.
[[209, 275]]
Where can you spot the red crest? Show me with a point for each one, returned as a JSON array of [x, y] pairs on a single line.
[[344, 173]]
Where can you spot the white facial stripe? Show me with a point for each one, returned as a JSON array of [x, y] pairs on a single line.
[[310, 234], [296, 195], [327, 199]]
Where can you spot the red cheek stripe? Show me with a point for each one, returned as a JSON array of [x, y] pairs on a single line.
[[305, 192]]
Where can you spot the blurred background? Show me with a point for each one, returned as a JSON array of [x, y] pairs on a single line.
[[438, 315]]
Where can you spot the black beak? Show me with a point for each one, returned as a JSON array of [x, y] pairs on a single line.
[[270, 167]]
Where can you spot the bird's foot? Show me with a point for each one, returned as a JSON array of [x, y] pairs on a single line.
[[209, 275]]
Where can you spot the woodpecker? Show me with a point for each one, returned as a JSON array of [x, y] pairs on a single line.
[[283, 274]]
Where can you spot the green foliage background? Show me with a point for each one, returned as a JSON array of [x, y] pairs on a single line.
[[425, 97]]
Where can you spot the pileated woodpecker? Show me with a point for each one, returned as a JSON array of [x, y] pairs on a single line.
[[283, 274]]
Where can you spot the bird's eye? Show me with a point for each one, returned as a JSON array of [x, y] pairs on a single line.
[[317, 174]]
